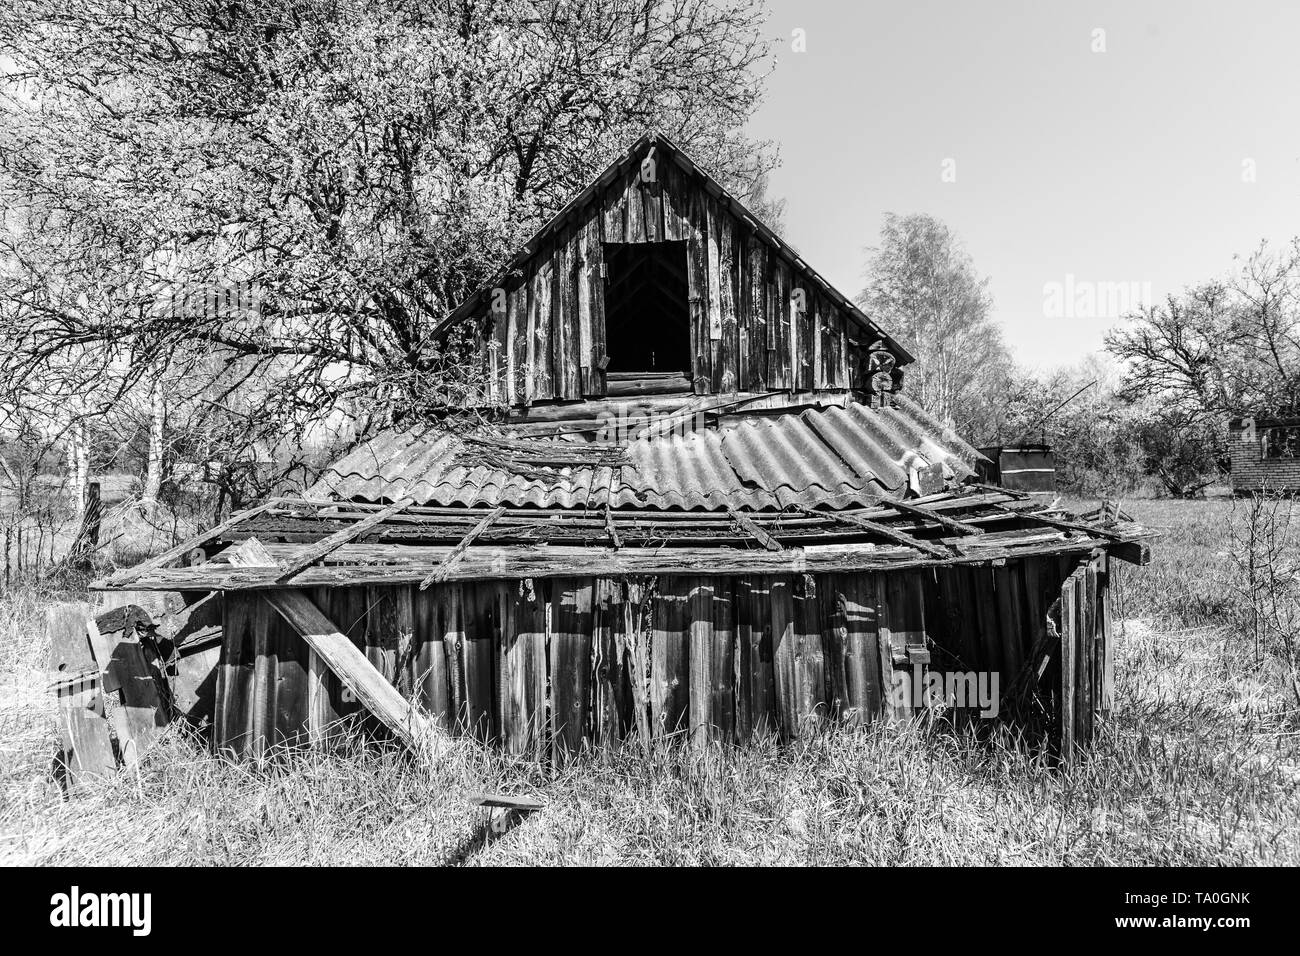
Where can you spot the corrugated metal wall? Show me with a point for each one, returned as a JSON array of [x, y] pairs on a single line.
[[550, 666]]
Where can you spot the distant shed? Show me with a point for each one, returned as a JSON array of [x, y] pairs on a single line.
[[1264, 454], [1021, 467]]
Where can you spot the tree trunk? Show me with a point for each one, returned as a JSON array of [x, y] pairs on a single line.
[[153, 474], [78, 467]]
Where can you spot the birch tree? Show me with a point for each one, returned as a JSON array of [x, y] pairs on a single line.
[[923, 288]]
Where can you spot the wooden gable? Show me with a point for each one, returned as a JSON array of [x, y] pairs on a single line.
[[757, 317]]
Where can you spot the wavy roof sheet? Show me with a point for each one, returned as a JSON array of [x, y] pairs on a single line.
[[840, 457]]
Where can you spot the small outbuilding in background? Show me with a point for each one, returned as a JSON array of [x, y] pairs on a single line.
[[1019, 468], [1265, 454]]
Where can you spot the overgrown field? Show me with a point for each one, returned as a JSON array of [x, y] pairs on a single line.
[[1199, 765]]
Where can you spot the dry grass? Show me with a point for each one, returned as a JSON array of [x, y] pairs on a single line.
[[1200, 765]]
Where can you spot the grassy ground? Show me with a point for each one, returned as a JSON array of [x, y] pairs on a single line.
[[1199, 765]]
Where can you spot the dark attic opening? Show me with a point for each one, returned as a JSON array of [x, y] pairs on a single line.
[[647, 307]]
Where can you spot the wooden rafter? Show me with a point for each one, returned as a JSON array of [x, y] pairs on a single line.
[[315, 552], [952, 524], [1062, 525], [440, 573], [891, 534], [185, 547]]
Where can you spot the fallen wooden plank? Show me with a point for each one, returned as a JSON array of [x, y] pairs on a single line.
[[509, 802], [339, 654], [315, 552], [84, 741], [891, 534], [906, 507], [440, 573], [747, 525], [171, 554]]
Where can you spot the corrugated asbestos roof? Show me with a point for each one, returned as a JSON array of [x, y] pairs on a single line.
[[841, 457]]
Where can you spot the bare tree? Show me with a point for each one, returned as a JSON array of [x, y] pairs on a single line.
[[290, 194]]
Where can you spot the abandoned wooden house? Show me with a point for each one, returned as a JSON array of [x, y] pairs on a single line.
[[703, 505], [1264, 454]]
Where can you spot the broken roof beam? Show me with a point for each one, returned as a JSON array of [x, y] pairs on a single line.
[[610, 529], [441, 572], [315, 552], [1062, 525], [747, 525], [952, 524], [890, 534], [185, 547]]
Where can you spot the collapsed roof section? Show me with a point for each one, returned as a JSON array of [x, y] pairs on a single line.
[[335, 543]]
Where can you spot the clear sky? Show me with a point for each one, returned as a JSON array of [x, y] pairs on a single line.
[[1150, 163]]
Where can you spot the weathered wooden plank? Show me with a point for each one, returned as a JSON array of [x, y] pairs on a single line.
[[952, 524], [1011, 624], [984, 598], [588, 256], [1068, 658], [725, 375], [541, 358], [723, 692], [669, 655], [312, 553], [779, 341], [757, 274], [571, 280], [835, 643], [520, 340], [390, 634], [524, 706], [500, 354], [885, 531], [763, 717], [784, 664], [444, 569], [1107, 638], [477, 658], [608, 704], [697, 279], [244, 616], [857, 604], [290, 723], [893, 703], [570, 642], [809, 657], [635, 226], [86, 751], [712, 247], [651, 195], [430, 673], [700, 658]]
